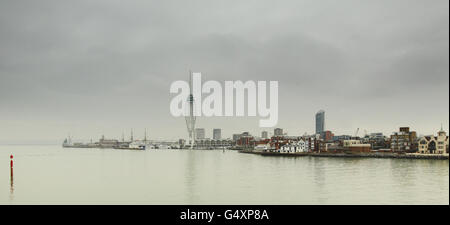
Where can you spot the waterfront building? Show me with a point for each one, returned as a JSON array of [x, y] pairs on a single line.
[[262, 142], [303, 145], [292, 143], [356, 146], [278, 132], [311, 141], [434, 144], [200, 133], [321, 146], [376, 140], [404, 140], [264, 135], [294, 146], [327, 135], [207, 143], [333, 147], [376, 136], [360, 148], [348, 143], [246, 140], [373, 136], [342, 137], [277, 141], [262, 147], [320, 122], [217, 134], [236, 137]]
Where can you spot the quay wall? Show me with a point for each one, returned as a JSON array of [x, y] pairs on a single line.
[[354, 155]]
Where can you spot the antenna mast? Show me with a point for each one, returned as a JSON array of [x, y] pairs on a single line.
[[145, 136]]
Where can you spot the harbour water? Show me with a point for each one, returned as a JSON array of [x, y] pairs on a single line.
[[50, 174]]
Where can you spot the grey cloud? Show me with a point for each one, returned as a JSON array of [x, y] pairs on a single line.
[[95, 64]]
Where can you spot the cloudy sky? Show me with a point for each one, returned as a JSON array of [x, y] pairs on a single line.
[[103, 67]]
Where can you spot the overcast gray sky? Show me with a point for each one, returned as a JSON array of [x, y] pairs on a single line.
[[103, 67]]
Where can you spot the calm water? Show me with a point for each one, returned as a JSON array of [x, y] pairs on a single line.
[[53, 175]]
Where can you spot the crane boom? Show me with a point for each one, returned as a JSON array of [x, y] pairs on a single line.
[[356, 132]]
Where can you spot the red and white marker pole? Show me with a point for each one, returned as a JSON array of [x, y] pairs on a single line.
[[12, 165]]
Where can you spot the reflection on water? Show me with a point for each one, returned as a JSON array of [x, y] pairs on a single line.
[[190, 177], [52, 175], [11, 190]]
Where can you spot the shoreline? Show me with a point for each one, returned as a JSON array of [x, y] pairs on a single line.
[[314, 154], [346, 155]]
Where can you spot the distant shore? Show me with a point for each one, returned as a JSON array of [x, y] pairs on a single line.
[[350, 155]]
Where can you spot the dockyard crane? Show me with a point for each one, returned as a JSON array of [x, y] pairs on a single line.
[[356, 132]]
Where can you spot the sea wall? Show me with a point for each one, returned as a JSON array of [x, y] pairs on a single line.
[[353, 155]]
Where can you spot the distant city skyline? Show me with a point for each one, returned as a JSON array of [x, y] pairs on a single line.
[[103, 68], [201, 133]]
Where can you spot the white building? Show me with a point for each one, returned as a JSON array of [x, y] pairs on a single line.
[[295, 146], [263, 147], [349, 143], [434, 144]]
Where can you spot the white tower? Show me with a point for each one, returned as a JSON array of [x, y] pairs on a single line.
[[190, 116]]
